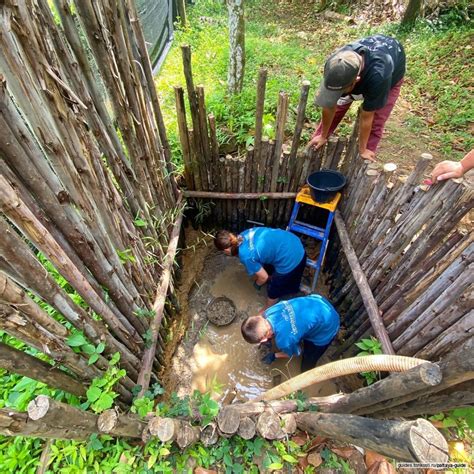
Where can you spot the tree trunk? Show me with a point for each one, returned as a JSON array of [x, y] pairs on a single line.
[[235, 75], [130, 426], [416, 441], [411, 12]]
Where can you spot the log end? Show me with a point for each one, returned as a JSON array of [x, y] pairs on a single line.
[[427, 443], [107, 421], [431, 374], [38, 407], [228, 420]]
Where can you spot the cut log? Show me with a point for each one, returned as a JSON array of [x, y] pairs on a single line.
[[187, 435], [396, 385], [269, 426], [165, 429], [288, 423], [62, 415], [130, 426], [415, 441], [14, 423], [228, 420], [247, 428], [209, 434]]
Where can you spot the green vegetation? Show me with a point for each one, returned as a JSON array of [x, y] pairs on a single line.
[[435, 106], [369, 347]]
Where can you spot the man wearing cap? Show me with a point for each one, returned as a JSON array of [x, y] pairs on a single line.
[[371, 70]]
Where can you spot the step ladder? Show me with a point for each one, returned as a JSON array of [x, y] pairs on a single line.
[[318, 233]]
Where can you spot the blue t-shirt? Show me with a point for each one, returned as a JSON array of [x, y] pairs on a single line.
[[311, 318], [262, 245]]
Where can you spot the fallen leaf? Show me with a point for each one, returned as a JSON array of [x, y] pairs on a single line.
[[299, 440], [356, 461], [315, 459], [381, 467], [317, 441], [344, 452], [303, 462], [201, 470], [372, 457]]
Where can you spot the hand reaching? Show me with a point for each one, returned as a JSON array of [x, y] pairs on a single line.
[[447, 170], [317, 142]]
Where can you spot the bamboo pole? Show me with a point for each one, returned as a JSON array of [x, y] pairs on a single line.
[[19, 362], [158, 306]]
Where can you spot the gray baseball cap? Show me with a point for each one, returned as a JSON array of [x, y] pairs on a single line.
[[340, 71]]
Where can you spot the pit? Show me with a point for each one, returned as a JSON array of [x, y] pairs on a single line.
[[216, 358]]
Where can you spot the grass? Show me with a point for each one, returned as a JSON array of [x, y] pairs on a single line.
[[293, 47]]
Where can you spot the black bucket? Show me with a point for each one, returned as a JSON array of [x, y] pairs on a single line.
[[325, 184]]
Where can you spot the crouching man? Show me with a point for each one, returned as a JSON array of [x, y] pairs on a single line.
[[308, 321]]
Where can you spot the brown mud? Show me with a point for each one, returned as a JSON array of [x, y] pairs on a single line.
[[211, 357]]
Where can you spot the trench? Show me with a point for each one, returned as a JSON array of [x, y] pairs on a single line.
[[211, 357]]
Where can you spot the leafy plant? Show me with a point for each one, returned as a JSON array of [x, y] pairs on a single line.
[[369, 347], [126, 256], [145, 313], [332, 461], [207, 407], [142, 406], [459, 420], [100, 394], [148, 338], [80, 344]]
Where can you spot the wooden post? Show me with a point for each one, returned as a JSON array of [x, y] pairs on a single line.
[[262, 81], [415, 441], [282, 112], [363, 285], [24, 364], [159, 305], [300, 118], [182, 13], [183, 136]]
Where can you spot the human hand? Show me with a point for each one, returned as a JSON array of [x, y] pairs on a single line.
[[446, 170], [367, 155], [317, 142], [269, 358]]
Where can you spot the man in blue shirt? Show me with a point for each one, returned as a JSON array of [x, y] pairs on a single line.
[[274, 256], [310, 320]]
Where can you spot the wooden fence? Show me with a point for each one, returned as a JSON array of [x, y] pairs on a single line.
[[85, 188], [416, 253], [267, 167]]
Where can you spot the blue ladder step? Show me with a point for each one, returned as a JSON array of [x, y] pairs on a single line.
[[311, 263], [311, 230]]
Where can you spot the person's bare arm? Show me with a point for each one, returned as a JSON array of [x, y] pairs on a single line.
[[327, 117], [281, 355], [452, 169], [366, 120], [261, 277]]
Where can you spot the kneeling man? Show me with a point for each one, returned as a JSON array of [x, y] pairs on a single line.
[[310, 320]]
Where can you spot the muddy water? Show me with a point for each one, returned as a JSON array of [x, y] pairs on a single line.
[[221, 355]]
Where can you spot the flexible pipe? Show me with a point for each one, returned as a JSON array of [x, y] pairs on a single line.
[[353, 365]]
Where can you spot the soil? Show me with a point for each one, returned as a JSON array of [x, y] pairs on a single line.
[[210, 356]]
